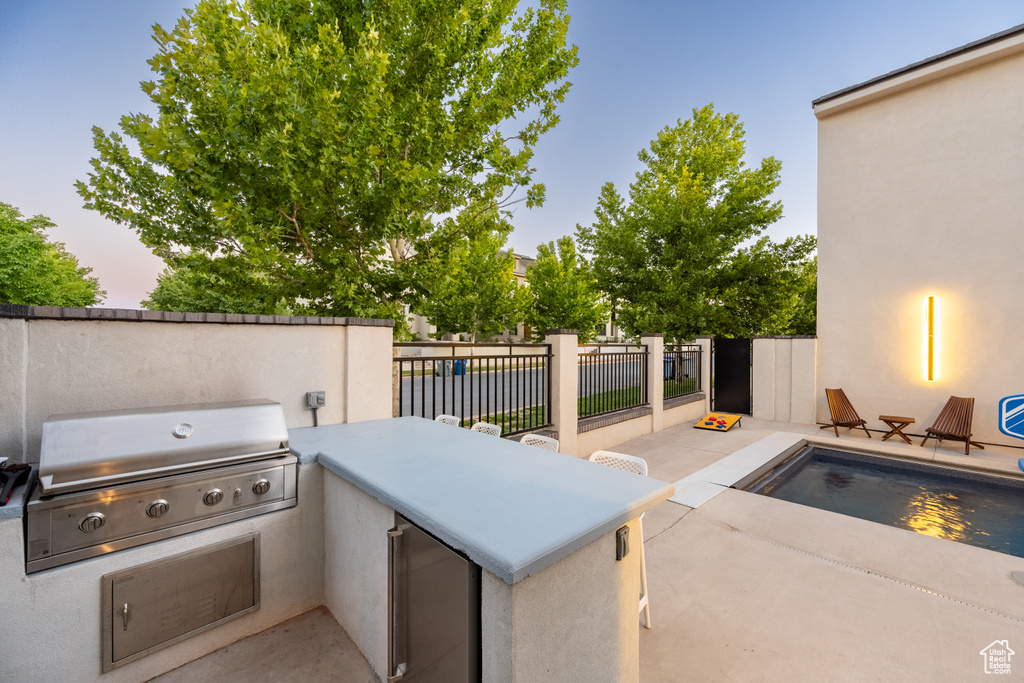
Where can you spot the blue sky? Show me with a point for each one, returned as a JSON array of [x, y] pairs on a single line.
[[66, 66]]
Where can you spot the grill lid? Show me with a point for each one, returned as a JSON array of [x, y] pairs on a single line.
[[90, 450]]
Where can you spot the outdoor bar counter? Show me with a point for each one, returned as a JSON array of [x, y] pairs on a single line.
[[556, 604]]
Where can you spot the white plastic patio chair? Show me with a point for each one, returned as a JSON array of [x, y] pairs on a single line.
[[487, 428], [631, 463], [545, 442], [448, 420]]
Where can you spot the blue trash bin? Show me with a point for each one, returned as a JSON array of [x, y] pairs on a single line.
[[670, 367], [458, 366]]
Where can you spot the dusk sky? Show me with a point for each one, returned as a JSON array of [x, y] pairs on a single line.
[[67, 66]]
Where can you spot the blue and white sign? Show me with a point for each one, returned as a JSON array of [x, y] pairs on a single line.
[[1011, 416]]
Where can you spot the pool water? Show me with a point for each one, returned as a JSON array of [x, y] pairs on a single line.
[[968, 507]]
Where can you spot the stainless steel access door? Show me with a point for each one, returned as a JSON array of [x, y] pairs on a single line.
[[149, 607], [434, 610]]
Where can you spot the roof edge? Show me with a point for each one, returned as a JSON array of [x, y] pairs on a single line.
[[949, 54]]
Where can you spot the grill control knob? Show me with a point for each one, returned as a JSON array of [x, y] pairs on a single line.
[[158, 508], [213, 496], [92, 522], [261, 487]]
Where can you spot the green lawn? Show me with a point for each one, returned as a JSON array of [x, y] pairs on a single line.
[[524, 419]]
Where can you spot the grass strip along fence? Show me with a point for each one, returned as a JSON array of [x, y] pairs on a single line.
[[612, 377], [682, 369]]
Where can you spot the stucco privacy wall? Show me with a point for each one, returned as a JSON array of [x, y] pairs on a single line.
[[53, 365], [920, 183], [783, 379]]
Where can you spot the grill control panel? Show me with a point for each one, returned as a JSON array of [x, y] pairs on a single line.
[[69, 527]]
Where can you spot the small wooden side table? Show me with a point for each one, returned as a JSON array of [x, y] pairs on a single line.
[[896, 425]]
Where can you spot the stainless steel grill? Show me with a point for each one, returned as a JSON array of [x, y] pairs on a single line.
[[117, 479]]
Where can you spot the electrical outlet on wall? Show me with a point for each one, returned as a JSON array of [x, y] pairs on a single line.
[[316, 399]]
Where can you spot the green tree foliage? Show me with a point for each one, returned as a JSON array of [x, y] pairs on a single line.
[[671, 259], [223, 285], [805, 318], [477, 293], [563, 291], [335, 149], [36, 271]]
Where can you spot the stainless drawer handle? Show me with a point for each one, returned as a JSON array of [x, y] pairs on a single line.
[[396, 670], [124, 616]]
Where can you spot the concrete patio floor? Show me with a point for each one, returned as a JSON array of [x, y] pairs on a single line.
[[750, 588]]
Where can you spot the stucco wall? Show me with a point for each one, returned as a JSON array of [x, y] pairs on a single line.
[[920, 193], [54, 366], [576, 621], [784, 379], [356, 566], [51, 628], [604, 438], [687, 412]]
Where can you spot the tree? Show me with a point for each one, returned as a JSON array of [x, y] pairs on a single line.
[[223, 285], [672, 260], [38, 272], [338, 148], [478, 293], [564, 293], [805, 318]]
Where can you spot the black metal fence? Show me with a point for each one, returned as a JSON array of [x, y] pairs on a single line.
[[682, 370], [510, 386], [611, 377]]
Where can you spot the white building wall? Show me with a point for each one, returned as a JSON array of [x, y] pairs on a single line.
[[920, 193]]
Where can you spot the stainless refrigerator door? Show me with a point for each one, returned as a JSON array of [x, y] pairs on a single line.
[[434, 610]]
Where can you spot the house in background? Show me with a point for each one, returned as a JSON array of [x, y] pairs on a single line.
[[422, 329], [921, 193]]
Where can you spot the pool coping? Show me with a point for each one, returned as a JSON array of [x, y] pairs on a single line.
[[743, 467]]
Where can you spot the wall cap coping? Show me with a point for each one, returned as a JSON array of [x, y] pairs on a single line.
[[560, 331], [683, 400], [765, 336], [786, 336], [135, 315], [589, 424]]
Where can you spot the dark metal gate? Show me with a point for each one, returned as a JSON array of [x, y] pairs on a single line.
[[730, 372]]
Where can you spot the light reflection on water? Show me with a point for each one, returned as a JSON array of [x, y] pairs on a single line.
[[939, 503], [938, 514]]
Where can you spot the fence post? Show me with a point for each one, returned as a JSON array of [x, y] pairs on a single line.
[[564, 387], [705, 370], [655, 342], [396, 382], [366, 368]]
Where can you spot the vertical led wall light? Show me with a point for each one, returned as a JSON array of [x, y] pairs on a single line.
[[931, 370]]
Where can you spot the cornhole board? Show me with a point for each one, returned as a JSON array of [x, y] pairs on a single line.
[[718, 422]]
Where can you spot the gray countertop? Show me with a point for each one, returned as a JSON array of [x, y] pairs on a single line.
[[512, 509]]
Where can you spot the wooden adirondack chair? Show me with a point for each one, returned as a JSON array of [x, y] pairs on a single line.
[[843, 414], [954, 423]]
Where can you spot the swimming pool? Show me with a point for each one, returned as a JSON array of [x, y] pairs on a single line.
[[983, 510]]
